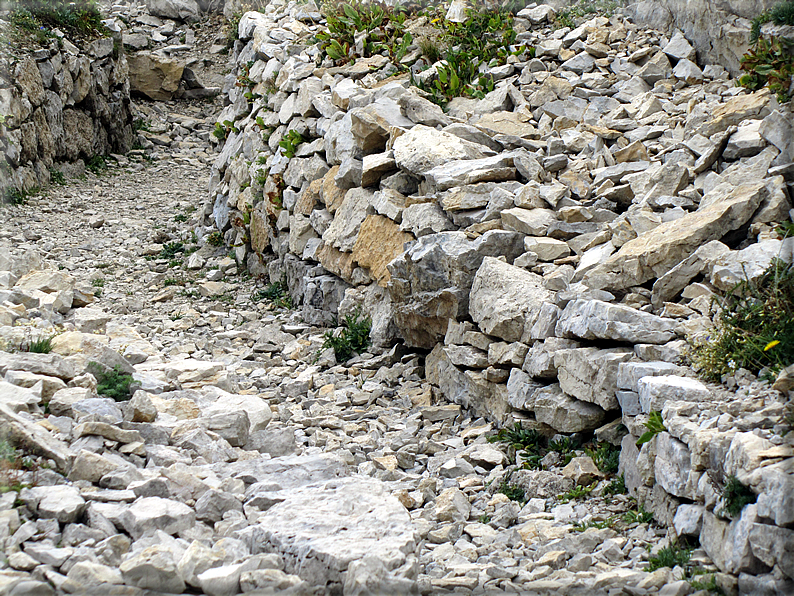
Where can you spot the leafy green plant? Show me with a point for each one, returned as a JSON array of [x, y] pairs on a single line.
[[215, 239], [78, 17], [736, 495], [670, 556], [518, 437], [485, 38], [606, 457], [640, 516], [709, 585], [352, 337], [290, 143], [277, 293], [577, 492], [97, 164], [170, 250], [617, 486], [98, 282], [114, 383], [610, 522], [655, 425], [15, 196], [754, 326], [512, 491], [770, 62], [360, 29], [180, 218], [57, 177], [141, 124]]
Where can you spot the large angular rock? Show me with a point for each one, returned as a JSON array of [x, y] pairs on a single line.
[[343, 231], [321, 529], [564, 413], [773, 546], [423, 148], [461, 172], [182, 10], [724, 209], [153, 568], [505, 300], [672, 466], [469, 388], [594, 319], [62, 502], [430, 282], [155, 513], [590, 374], [32, 437], [654, 392], [154, 76], [372, 124]]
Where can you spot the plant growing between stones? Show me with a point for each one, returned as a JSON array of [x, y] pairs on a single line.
[[735, 496], [215, 239], [640, 516], [577, 492], [14, 464], [770, 62], [655, 425], [352, 337], [97, 164], [606, 457], [43, 345], [276, 293], [78, 17], [617, 486], [671, 556], [57, 177], [113, 383], [754, 327], [512, 491], [290, 142]]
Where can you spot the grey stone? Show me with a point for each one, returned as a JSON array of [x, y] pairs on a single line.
[[590, 374], [594, 319]]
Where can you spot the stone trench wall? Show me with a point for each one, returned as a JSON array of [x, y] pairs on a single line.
[[552, 245], [61, 104]]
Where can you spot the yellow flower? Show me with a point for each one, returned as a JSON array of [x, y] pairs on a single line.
[[771, 345]]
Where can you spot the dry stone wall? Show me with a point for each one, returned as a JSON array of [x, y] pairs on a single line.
[[62, 103], [553, 245]]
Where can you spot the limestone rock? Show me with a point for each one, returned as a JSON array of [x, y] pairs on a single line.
[[422, 148], [154, 76]]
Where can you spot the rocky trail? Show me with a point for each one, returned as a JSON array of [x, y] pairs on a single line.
[[508, 429]]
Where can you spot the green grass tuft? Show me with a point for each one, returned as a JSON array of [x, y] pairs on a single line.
[[736, 495], [352, 337], [114, 383]]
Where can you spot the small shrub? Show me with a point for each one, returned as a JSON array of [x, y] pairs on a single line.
[[180, 218], [617, 486], [640, 516], [99, 282], [14, 196], [671, 556], [598, 525], [141, 124], [232, 33], [770, 62], [215, 239], [97, 164], [277, 293], [57, 177], [518, 437], [78, 17], [606, 457], [577, 492], [13, 466], [736, 495], [351, 338], [754, 327], [114, 383], [170, 250], [290, 143], [512, 491], [655, 425]]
